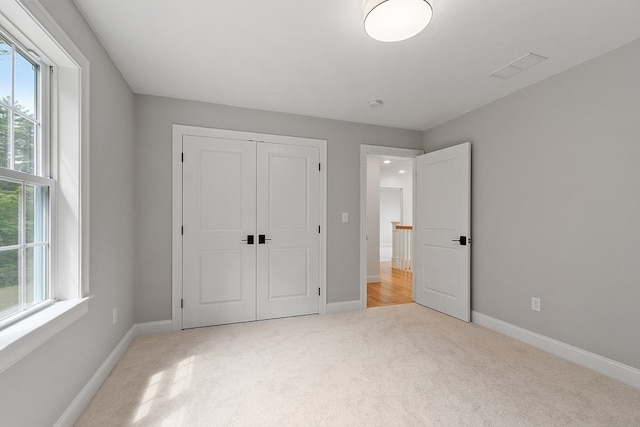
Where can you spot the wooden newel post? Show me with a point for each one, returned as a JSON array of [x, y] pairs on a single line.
[[395, 248]]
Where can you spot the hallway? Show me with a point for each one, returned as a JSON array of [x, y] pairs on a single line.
[[395, 287]]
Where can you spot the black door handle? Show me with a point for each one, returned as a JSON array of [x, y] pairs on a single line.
[[462, 240], [249, 239], [262, 239]]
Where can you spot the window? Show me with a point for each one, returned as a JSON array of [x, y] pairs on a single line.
[[26, 191], [44, 180]]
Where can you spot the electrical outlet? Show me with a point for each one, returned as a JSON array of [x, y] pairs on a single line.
[[535, 304], [345, 216], [115, 315]]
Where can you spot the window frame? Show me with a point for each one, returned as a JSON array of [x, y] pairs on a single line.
[[43, 108], [28, 22], [40, 176]]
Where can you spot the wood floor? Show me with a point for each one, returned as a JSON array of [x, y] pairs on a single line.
[[395, 287]]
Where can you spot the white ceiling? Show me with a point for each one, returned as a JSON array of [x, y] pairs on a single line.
[[392, 170], [312, 57]]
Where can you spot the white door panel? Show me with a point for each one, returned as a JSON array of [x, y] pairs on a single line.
[[440, 207], [288, 215], [234, 189], [218, 213], [220, 267], [442, 277], [288, 269]]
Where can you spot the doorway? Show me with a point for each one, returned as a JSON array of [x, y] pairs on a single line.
[[441, 240], [389, 281], [386, 194]]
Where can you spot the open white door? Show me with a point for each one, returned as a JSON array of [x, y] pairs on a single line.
[[442, 224]]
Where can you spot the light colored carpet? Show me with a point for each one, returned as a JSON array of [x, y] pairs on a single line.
[[402, 365]]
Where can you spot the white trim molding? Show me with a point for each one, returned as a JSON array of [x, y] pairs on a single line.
[[18, 340], [608, 367], [151, 328], [79, 404], [340, 307]]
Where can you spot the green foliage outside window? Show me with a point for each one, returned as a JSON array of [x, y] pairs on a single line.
[[10, 195], [20, 202], [9, 231], [23, 139]]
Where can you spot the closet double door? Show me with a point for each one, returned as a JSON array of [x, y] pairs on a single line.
[[251, 230]]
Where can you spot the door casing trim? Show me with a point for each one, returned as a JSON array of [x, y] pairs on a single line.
[[178, 131]]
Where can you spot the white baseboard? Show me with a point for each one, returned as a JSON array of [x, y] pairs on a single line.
[[611, 368], [373, 279], [75, 409], [150, 328], [339, 307]]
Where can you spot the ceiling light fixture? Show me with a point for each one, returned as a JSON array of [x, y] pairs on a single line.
[[386, 162], [395, 20]]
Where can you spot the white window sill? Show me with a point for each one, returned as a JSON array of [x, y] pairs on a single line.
[[20, 339]]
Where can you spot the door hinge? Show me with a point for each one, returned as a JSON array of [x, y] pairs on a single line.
[[318, 229], [182, 230], [182, 157], [319, 166], [318, 291], [181, 303]]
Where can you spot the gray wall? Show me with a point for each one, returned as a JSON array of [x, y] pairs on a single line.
[[556, 205], [36, 390], [154, 117], [556, 202]]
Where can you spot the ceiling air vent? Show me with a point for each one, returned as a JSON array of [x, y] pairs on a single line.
[[520, 64]]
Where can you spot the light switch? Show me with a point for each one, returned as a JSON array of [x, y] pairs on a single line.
[[345, 216]]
